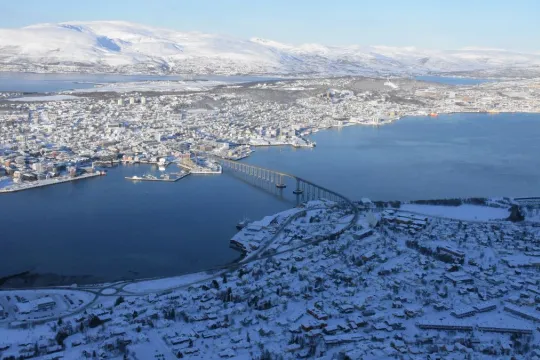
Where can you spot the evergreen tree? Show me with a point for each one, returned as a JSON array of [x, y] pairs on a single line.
[[119, 300]]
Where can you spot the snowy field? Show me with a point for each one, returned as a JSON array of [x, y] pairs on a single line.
[[18, 304], [462, 212], [153, 86], [45, 98], [167, 283]]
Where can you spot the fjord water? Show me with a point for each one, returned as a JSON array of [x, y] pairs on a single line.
[[32, 82], [458, 155], [109, 228], [448, 80]]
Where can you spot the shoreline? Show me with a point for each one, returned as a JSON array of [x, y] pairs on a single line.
[[305, 136], [330, 128], [245, 257], [54, 181]]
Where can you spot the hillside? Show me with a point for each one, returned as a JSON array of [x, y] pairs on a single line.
[[122, 47]]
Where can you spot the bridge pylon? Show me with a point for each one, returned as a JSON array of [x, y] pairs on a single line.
[[297, 191], [280, 184]]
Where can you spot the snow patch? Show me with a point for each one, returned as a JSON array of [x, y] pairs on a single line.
[[462, 212]]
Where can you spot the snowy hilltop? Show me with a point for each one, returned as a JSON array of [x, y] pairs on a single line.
[[122, 47]]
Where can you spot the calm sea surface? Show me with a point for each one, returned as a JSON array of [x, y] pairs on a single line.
[[30, 82], [458, 155], [452, 80]]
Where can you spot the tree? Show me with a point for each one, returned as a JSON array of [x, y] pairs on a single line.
[[266, 355], [60, 337], [59, 322], [95, 321], [119, 300], [515, 214]]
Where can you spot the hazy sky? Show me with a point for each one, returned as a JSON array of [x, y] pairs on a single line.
[[439, 24]]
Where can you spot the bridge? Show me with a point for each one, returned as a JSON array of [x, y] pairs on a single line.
[[303, 188]]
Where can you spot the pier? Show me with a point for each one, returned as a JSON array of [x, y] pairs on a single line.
[[164, 179]]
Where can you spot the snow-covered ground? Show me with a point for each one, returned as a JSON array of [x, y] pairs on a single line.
[[176, 86], [462, 212], [65, 303], [370, 293], [45, 98], [118, 46], [166, 283]]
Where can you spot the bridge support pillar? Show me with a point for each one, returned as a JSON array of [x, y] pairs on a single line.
[[280, 184], [298, 191]]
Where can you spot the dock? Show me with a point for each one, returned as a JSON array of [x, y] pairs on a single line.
[[200, 169], [147, 178]]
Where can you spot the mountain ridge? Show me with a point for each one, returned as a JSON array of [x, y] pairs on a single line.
[[125, 47]]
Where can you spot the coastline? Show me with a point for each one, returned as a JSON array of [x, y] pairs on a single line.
[[327, 128], [43, 183], [245, 257], [305, 136]]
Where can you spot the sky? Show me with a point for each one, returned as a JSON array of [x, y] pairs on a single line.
[[431, 24]]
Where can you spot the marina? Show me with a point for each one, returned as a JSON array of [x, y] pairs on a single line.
[[172, 177]]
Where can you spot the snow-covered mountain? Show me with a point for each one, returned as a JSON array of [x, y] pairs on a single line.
[[122, 47]]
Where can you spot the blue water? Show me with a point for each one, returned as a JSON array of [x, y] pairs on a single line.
[[30, 82], [459, 155], [452, 80], [110, 228]]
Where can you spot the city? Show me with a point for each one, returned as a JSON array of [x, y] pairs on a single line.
[[64, 138], [253, 180]]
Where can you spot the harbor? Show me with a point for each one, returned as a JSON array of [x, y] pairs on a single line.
[[172, 177]]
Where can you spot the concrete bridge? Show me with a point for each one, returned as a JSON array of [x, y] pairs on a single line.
[[301, 187]]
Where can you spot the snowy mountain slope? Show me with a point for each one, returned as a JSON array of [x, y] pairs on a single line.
[[116, 46]]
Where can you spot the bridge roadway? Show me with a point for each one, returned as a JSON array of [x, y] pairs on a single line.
[[314, 191], [308, 189]]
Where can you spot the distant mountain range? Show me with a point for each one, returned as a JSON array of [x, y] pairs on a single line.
[[122, 47]]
